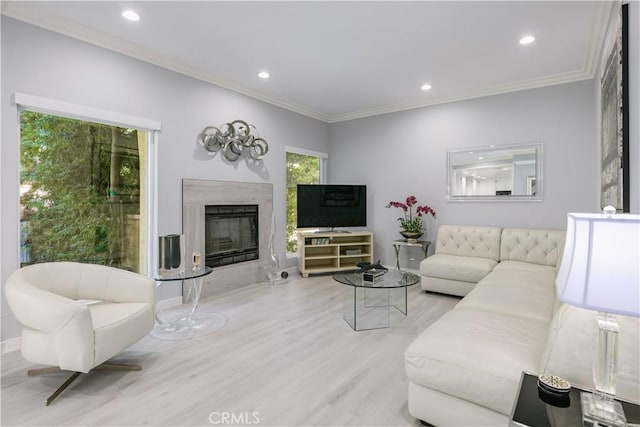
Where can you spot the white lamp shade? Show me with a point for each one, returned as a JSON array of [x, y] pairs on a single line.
[[600, 268]]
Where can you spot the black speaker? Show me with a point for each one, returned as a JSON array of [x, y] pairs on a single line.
[[169, 252]]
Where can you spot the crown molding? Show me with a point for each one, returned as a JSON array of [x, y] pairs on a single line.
[[80, 32], [598, 33], [502, 89], [599, 25], [68, 28]]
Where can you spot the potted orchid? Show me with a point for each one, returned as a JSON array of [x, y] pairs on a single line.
[[411, 223]]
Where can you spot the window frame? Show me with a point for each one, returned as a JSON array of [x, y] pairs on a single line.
[[323, 157], [26, 102]]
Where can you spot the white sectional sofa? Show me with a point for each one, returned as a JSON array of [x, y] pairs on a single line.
[[464, 369], [464, 255]]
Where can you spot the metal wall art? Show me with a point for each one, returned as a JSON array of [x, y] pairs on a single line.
[[234, 139]]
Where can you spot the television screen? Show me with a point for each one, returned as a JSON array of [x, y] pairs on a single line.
[[332, 206]]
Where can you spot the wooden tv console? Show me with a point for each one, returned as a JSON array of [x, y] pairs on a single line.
[[326, 252]]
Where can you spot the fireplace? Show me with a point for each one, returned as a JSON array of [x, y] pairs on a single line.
[[231, 234], [238, 258]]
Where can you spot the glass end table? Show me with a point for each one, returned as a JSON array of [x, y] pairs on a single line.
[[368, 305], [422, 244], [187, 320], [529, 410]]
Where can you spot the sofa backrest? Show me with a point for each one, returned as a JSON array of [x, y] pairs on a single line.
[[535, 246], [464, 240]]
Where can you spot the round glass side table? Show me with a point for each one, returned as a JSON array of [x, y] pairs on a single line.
[[186, 321]]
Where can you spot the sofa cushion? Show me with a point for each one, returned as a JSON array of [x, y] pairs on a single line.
[[518, 289], [519, 267], [481, 242], [476, 355], [535, 246], [454, 267]]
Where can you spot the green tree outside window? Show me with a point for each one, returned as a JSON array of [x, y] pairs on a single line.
[[80, 187], [301, 169]]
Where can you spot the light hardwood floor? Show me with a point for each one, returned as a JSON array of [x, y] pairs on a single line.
[[284, 357]]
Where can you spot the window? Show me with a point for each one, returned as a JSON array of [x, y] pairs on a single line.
[[303, 167], [82, 192]]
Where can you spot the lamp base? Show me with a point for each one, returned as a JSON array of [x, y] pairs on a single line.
[[602, 411]]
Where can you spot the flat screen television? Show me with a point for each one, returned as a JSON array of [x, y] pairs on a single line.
[[322, 205]]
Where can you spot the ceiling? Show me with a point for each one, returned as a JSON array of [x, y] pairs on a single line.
[[339, 60]]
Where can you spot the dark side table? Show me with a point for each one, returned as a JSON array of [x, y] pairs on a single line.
[[531, 411]]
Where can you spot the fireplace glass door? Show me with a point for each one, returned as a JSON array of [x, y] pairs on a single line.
[[231, 234]]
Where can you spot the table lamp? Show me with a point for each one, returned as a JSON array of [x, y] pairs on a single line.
[[600, 271]]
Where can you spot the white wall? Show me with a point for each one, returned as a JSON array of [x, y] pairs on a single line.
[[42, 63], [404, 154]]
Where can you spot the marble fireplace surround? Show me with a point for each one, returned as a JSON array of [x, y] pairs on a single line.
[[196, 194]]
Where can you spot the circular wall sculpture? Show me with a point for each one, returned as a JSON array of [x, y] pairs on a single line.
[[233, 140]]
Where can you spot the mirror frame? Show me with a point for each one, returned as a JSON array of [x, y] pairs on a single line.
[[492, 198]]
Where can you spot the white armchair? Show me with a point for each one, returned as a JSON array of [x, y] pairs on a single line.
[[77, 316]]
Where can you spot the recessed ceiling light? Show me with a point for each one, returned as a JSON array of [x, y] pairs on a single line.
[[130, 15], [264, 75], [527, 40], [425, 86]]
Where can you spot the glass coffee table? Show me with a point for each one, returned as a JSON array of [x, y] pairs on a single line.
[[368, 305]]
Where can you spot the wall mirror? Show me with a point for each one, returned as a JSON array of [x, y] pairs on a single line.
[[495, 173]]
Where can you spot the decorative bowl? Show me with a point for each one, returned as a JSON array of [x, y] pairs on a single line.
[[411, 235]]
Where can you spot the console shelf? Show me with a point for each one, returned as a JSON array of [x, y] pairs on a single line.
[[329, 252]]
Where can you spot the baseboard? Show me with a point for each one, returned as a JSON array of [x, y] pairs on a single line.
[[12, 344]]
